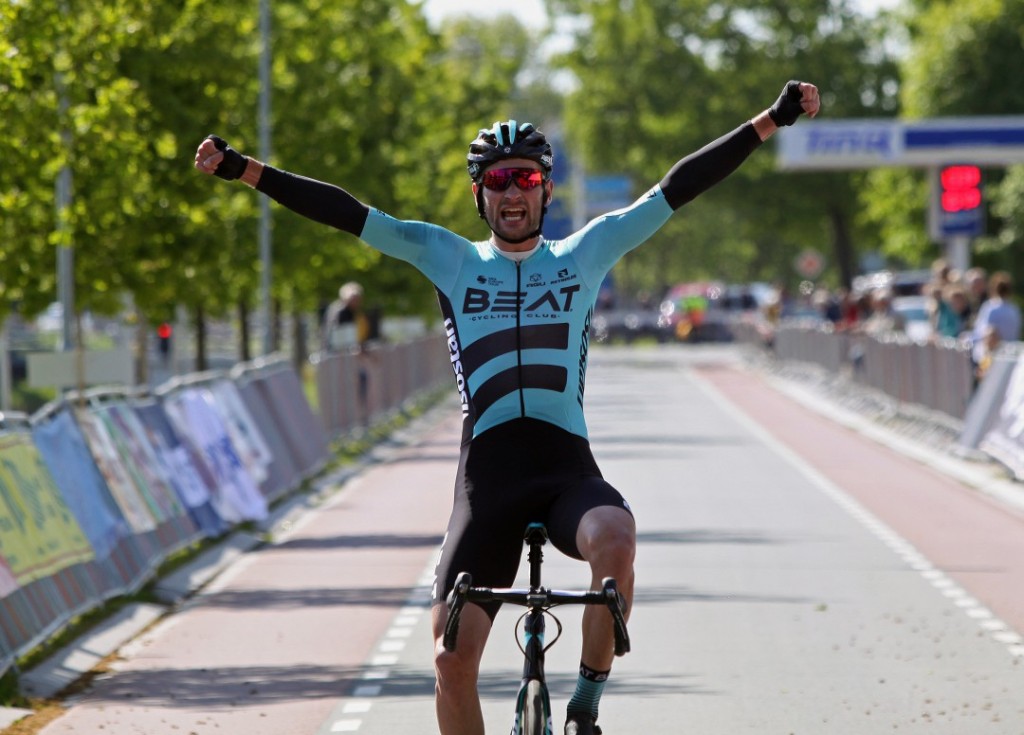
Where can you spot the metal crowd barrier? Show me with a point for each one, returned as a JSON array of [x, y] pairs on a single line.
[[938, 375], [356, 389], [98, 489]]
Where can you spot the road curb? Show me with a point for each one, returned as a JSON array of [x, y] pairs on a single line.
[[83, 655]]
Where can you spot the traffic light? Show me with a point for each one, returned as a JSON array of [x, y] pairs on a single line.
[[961, 189], [163, 333]]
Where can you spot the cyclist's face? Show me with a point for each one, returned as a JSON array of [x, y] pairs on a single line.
[[514, 212]]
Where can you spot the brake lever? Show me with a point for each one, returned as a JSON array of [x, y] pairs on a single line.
[[456, 600]]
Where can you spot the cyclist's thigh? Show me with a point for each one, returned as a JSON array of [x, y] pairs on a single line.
[[485, 530], [567, 511], [487, 548]]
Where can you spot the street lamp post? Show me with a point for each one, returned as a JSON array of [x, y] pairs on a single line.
[[264, 134]]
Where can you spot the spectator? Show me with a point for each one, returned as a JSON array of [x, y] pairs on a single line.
[[997, 312], [987, 352], [933, 294], [883, 318], [942, 272], [346, 324], [825, 305], [849, 310], [349, 328], [951, 308], [976, 281]]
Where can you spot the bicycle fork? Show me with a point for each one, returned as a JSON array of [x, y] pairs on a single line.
[[533, 705], [533, 682]]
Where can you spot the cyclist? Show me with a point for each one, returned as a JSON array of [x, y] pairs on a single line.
[[517, 311]]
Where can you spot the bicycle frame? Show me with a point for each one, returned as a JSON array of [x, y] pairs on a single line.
[[533, 704]]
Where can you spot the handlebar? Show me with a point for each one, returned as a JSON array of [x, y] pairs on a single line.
[[539, 599]]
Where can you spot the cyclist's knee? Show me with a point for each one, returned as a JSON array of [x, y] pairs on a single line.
[[459, 668], [456, 671], [607, 537]]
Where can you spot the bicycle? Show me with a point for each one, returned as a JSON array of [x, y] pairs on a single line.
[[533, 703]]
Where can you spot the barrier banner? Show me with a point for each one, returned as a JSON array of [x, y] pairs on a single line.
[[182, 473], [8, 583], [104, 454], [62, 447], [245, 434], [304, 432], [140, 461], [39, 535], [236, 497], [1005, 442], [983, 409], [282, 474]]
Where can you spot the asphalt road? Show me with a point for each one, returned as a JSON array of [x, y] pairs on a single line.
[[793, 576]]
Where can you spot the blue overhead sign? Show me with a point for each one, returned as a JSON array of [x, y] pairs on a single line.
[[856, 144]]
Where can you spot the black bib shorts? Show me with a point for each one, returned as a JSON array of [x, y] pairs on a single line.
[[516, 473]]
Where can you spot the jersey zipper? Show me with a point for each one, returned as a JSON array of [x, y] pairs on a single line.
[[519, 341]]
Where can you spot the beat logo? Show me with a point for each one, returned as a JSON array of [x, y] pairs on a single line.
[[478, 301]]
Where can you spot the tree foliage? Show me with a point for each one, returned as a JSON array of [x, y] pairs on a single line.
[[121, 92], [696, 70], [962, 60], [366, 95]]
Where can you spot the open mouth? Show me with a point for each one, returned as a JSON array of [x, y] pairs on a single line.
[[513, 215]]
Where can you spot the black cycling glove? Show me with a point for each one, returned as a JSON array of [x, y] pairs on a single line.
[[234, 163], [787, 107]]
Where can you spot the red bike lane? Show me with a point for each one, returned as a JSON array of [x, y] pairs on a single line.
[[270, 646], [976, 541], [273, 644]]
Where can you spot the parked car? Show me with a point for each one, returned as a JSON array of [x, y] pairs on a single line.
[[901, 283], [693, 312], [913, 311], [627, 325]]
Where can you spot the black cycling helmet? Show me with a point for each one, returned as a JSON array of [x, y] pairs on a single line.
[[508, 140]]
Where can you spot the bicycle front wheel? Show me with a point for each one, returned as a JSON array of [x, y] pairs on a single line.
[[534, 714]]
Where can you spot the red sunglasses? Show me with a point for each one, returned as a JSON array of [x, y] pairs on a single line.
[[501, 178]]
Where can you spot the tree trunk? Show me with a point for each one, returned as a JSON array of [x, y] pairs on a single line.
[[275, 333], [199, 324], [244, 351], [842, 245], [141, 348], [299, 340]]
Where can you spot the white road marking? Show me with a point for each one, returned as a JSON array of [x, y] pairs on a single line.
[[386, 655], [1000, 631]]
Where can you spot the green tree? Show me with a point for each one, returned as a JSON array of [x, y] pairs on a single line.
[[682, 88], [65, 105], [373, 100], [962, 58]]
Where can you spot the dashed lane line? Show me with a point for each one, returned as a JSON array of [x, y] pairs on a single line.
[[996, 629], [350, 714]]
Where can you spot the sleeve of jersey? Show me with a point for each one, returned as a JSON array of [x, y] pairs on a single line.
[[434, 251], [315, 200], [605, 239], [699, 171]]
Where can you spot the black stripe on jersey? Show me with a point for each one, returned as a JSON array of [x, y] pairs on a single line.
[[542, 377], [536, 337]]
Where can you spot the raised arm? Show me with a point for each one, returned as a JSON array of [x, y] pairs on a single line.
[[698, 172], [319, 201]]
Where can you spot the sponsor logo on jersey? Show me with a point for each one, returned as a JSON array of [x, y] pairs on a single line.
[[564, 275], [584, 351], [455, 353], [479, 302]]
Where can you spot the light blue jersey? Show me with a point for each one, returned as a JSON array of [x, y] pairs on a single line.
[[518, 331]]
